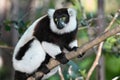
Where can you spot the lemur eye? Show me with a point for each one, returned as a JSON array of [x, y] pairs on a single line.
[[63, 18], [56, 19]]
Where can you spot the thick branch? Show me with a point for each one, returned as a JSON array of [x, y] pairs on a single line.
[[53, 63]]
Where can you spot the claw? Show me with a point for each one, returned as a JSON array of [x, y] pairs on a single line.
[[75, 48], [81, 55]]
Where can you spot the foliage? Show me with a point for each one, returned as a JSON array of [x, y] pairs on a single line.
[[112, 45], [21, 26]]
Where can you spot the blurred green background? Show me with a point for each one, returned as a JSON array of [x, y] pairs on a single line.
[[93, 17]]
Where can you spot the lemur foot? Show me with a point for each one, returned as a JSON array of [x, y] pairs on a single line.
[[62, 58], [75, 49], [43, 68]]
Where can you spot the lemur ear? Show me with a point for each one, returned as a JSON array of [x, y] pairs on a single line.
[[51, 12], [72, 12]]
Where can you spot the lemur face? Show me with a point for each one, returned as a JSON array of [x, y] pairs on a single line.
[[62, 20]]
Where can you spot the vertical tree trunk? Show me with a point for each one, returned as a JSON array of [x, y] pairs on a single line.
[[100, 29], [101, 19], [14, 17], [9, 37], [6, 38], [3, 10]]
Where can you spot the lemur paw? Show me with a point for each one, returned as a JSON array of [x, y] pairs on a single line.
[[62, 58], [74, 48], [43, 68]]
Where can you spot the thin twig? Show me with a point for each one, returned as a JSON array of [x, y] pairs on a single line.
[[61, 74], [81, 28], [6, 47], [95, 63], [82, 10], [113, 20]]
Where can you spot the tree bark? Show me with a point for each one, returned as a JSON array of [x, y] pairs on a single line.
[[100, 29]]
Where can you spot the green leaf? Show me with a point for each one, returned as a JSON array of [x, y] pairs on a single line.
[[111, 40], [7, 27], [83, 73]]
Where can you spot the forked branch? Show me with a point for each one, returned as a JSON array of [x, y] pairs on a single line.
[[53, 63]]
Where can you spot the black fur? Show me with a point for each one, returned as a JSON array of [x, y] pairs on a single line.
[[20, 76], [43, 68], [71, 49], [62, 40], [61, 58], [59, 13], [23, 49], [43, 32]]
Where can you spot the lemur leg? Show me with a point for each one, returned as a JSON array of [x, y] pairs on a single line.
[[43, 66], [72, 46], [62, 58], [55, 52], [20, 76]]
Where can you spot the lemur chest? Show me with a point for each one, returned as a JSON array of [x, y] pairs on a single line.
[[62, 40]]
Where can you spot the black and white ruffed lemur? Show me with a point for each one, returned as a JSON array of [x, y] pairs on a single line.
[[44, 39]]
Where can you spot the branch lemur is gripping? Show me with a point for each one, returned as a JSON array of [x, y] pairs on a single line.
[[46, 38]]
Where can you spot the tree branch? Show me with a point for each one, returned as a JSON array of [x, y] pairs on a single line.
[[53, 63], [95, 63]]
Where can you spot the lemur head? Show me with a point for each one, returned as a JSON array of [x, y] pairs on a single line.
[[62, 20]]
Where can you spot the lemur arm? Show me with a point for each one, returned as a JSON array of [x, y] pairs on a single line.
[[72, 46], [54, 51]]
